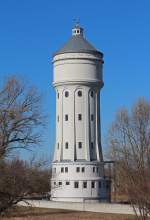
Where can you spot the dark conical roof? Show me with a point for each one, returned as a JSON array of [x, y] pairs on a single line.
[[78, 44]]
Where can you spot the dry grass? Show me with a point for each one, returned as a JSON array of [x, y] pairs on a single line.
[[24, 213]]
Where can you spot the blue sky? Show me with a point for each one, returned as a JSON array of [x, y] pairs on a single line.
[[31, 30]]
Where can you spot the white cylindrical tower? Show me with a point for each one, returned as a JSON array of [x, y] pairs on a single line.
[[78, 167]]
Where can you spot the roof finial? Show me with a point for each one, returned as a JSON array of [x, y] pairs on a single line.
[[77, 30], [76, 22]]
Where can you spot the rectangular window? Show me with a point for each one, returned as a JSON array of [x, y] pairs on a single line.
[[92, 117], [78, 169], [99, 184], [80, 144], [79, 117], [66, 145], [76, 184], [66, 169], [83, 169], [67, 183], [92, 144], [93, 184], [60, 183], [54, 183], [84, 184], [97, 169], [66, 117], [62, 169], [54, 170], [58, 145], [93, 169], [58, 118], [107, 185]]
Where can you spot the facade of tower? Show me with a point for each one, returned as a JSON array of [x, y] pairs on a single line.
[[78, 166]]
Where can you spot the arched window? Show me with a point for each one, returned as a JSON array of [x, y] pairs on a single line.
[[92, 93], [66, 94], [79, 93]]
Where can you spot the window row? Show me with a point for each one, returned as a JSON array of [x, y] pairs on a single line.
[[78, 169], [79, 117], [85, 184], [64, 169], [79, 145], [79, 94]]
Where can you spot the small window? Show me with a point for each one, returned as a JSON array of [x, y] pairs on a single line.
[[79, 93], [92, 93], [83, 169], [78, 169], [58, 118], [66, 169], [79, 117], [80, 144], [62, 169], [60, 183], [55, 170], [78, 31], [99, 184], [92, 117], [66, 94], [76, 184], [67, 183], [66, 145], [93, 184], [93, 169], [107, 185], [84, 184], [97, 169], [58, 95], [54, 183], [66, 117], [57, 145], [92, 144]]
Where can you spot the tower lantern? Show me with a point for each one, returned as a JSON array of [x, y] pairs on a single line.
[[78, 166]]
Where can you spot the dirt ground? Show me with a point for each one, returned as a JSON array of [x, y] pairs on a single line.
[[24, 213]]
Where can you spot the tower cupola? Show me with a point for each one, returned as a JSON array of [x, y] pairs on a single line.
[[77, 30]]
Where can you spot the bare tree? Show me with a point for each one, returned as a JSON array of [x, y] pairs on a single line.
[[21, 120], [129, 146], [20, 117]]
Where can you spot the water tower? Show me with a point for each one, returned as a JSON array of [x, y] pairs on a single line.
[[78, 166]]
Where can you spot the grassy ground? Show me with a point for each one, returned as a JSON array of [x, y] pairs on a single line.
[[28, 213]]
